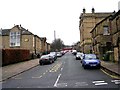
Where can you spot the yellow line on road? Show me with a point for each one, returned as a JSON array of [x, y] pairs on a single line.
[[55, 68], [113, 76]]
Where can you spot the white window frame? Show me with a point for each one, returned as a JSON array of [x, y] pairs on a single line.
[[14, 39], [106, 30]]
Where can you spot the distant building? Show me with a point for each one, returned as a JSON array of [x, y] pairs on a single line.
[[43, 44], [86, 24]]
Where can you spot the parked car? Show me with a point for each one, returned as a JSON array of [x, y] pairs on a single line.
[[74, 52], [90, 60], [46, 59], [54, 55], [79, 56], [59, 54]]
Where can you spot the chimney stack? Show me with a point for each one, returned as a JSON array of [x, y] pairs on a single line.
[[93, 10], [84, 10]]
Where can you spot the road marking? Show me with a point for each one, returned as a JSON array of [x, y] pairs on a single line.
[[55, 85], [62, 85], [109, 74], [99, 83], [44, 73], [55, 68], [37, 77], [61, 69], [81, 84], [116, 81], [17, 78]]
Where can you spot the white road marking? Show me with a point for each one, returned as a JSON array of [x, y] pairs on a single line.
[[116, 81], [16, 77], [81, 84], [55, 85], [37, 77], [62, 85], [99, 83], [61, 69]]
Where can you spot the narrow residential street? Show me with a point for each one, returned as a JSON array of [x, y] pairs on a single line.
[[66, 72]]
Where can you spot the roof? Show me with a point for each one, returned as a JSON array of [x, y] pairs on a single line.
[[43, 38], [5, 32], [100, 23], [99, 14], [114, 16]]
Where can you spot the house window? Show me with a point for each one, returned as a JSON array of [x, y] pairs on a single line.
[[106, 30], [14, 39]]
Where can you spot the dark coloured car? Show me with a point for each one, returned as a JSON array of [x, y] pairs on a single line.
[[90, 60], [44, 59]]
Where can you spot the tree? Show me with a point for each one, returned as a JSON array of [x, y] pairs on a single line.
[[57, 44]]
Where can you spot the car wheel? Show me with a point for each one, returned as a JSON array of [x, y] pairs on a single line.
[[41, 63], [98, 67], [51, 62], [84, 67]]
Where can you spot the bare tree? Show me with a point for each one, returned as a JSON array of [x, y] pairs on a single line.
[[57, 45]]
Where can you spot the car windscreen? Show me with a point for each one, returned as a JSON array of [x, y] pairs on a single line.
[[45, 56], [90, 56]]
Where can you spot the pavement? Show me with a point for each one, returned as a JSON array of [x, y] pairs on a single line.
[[15, 69]]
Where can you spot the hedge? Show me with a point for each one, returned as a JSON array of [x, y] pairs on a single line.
[[10, 56]]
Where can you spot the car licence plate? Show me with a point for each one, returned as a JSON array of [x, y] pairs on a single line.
[[93, 65]]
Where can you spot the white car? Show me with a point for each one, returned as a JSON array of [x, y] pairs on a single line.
[[74, 52], [59, 54], [79, 56]]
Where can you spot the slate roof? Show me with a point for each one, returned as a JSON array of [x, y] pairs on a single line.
[[5, 32]]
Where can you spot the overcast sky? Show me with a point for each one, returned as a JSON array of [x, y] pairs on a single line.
[[42, 17]]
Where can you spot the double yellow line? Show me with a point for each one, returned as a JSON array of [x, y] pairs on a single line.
[[113, 76], [55, 68]]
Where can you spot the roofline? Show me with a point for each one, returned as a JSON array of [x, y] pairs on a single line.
[[100, 22]]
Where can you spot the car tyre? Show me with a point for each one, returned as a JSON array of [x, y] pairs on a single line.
[[51, 62], [41, 63]]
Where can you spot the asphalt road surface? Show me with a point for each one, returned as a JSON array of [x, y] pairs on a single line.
[[66, 72]]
